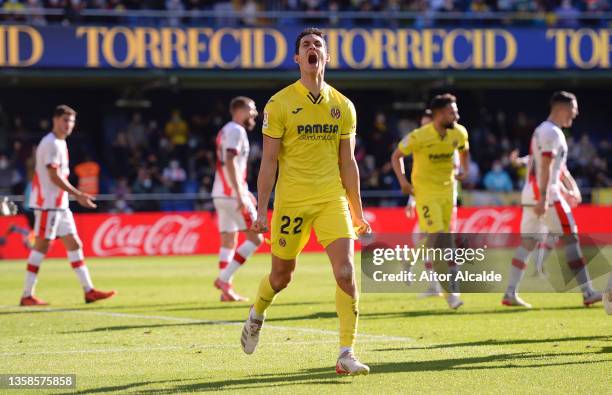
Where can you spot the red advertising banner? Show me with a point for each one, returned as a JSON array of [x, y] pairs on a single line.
[[153, 234]]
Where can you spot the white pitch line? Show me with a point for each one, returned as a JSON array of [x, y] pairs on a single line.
[[213, 322], [194, 347]]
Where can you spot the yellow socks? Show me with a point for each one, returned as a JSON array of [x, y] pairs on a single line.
[[348, 313], [265, 296]]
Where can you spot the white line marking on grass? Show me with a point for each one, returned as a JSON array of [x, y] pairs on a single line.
[[214, 322], [194, 347]]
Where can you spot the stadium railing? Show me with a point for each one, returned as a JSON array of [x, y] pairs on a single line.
[[340, 18]]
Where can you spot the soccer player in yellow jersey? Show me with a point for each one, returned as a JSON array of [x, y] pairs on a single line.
[[309, 134], [433, 147]]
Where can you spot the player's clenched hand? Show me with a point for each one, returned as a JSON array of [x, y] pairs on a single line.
[[460, 176], [361, 226], [261, 224], [407, 188], [540, 208], [86, 200], [410, 209]]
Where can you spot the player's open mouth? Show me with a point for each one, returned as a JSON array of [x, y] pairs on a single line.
[[312, 59]]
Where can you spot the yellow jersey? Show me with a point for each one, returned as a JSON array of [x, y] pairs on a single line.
[[310, 129], [432, 165]]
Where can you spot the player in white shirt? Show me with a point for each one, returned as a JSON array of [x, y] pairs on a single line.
[[53, 218], [234, 204], [545, 209]]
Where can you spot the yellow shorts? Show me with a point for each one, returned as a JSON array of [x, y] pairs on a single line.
[[435, 213], [291, 226]]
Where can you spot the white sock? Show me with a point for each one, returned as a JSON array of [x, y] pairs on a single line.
[[225, 257], [254, 316], [34, 261], [345, 349], [76, 259], [517, 270], [243, 253], [433, 283]]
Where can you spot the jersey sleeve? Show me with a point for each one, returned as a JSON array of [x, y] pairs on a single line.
[[349, 123], [273, 119], [549, 142], [231, 139], [408, 144], [52, 155], [463, 143]]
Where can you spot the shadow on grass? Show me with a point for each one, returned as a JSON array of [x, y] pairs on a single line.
[[493, 342], [326, 376]]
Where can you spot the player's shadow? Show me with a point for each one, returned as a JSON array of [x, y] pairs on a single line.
[[446, 311], [122, 387], [153, 326], [493, 342], [327, 376], [226, 306]]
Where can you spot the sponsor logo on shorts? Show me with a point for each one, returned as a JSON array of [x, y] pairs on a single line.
[[282, 242]]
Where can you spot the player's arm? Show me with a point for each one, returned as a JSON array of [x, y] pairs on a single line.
[[397, 162], [571, 187], [464, 154], [349, 174], [265, 180], [542, 204], [84, 199], [231, 156], [518, 161], [464, 164]]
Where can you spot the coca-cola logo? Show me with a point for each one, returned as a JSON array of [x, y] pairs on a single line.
[[486, 220], [169, 235]]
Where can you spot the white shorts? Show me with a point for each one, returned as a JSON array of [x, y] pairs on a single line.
[[49, 224], [229, 219], [557, 220]]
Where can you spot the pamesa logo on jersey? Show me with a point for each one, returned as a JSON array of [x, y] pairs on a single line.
[[317, 131]]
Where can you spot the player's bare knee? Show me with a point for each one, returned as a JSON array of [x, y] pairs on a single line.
[[255, 238], [280, 280], [41, 245], [345, 273]]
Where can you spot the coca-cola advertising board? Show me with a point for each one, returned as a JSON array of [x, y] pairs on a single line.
[[155, 234]]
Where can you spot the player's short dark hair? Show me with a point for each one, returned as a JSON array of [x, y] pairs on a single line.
[[441, 101], [239, 102], [63, 109], [562, 97], [311, 30]]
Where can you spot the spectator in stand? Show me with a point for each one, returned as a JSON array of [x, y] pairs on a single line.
[[175, 175], [9, 176], [177, 132], [144, 185], [497, 179], [88, 172], [121, 190], [137, 133]]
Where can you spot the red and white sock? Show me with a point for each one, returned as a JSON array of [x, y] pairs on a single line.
[[243, 253], [225, 257], [517, 270], [576, 262], [433, 283], [34, 261], [77, 261]]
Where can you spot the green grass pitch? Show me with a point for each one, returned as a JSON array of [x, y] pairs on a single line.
[[166, 332]]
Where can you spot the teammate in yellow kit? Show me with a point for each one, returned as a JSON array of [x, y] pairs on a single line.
[[433, 147], [309, 133]]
